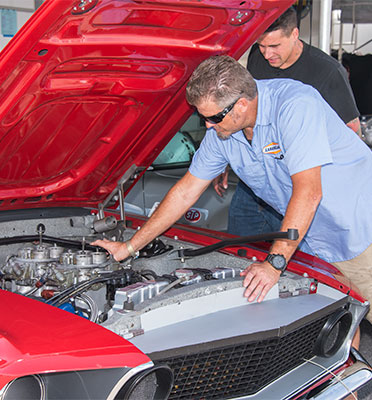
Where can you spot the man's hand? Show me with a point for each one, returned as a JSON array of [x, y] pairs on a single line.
[[259, 279], [220, 183], [118, 249]]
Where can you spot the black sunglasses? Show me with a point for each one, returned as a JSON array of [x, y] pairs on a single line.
[[217, 118]]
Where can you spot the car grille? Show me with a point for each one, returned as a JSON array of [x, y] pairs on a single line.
[[240, 369]]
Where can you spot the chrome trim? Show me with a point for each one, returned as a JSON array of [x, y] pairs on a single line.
[[345, 383], [124, 379]]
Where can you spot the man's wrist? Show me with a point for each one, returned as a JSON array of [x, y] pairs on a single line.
[[130, 249], [277, 261]]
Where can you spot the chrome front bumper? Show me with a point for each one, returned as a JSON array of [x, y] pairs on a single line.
[[347, 381]]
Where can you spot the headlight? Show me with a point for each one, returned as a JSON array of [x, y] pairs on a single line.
[[154, 383], [333, 333], [25, 388]]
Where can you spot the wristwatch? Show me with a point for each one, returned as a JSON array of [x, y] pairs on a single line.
[[278, 261]]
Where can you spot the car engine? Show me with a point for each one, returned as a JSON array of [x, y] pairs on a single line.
[[69, 273]]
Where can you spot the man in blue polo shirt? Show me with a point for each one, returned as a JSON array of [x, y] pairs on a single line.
[[284, 141], [283, 144]]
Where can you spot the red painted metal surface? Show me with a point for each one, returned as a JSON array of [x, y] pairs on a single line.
[[87, 92], [35, 338]]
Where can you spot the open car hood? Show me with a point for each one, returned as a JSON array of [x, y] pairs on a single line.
[[92, 90]]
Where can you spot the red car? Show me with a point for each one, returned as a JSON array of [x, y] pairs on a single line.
[[91, 92]]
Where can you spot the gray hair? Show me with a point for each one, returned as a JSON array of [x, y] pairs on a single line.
[[220, 79]]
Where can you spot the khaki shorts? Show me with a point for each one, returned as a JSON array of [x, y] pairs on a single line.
[[359, 273]]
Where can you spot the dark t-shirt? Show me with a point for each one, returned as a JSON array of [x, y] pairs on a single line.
[[315, 68]]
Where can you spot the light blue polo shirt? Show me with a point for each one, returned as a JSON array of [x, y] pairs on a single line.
[[297, 130]]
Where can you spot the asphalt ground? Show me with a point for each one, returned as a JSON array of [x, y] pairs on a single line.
[[365, 393]]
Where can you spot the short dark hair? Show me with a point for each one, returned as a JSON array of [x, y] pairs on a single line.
[[286, 22], [222, 80]]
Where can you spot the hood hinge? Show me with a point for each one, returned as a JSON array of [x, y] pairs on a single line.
[[123, 184]]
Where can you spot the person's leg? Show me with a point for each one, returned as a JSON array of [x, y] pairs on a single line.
[[359, 273], [249, 215], [272, 217], [244, 215]]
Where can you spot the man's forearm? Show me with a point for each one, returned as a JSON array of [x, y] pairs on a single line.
[[298, 218], [177, 201]]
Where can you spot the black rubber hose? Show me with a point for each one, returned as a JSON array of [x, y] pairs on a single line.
[[47, 239], [80, 287], [72, 291], [291, 234]]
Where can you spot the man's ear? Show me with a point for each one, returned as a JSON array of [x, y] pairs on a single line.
[[242, 105], [295, 33]]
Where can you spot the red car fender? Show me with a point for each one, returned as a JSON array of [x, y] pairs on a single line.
[[36, 338]]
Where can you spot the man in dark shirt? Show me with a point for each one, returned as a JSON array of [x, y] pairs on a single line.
[[279, 53]]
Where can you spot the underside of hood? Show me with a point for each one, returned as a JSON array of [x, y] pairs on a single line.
[[92, 90]]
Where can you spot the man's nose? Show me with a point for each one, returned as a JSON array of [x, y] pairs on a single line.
[[267, 53]]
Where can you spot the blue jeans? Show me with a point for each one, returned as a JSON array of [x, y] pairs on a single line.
[[249, 215]]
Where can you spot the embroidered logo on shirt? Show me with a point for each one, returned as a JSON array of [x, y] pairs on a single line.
[[272, 148]]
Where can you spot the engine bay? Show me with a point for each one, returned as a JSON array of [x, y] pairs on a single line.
[[51, 260]]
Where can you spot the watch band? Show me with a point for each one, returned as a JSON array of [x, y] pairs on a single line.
[[130, 248]]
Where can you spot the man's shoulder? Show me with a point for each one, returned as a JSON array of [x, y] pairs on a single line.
[[254, 49], [282, 84], [254, 54], [320, 58], [284, 91]]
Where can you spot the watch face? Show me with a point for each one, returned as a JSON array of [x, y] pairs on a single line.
[[277, 261]]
